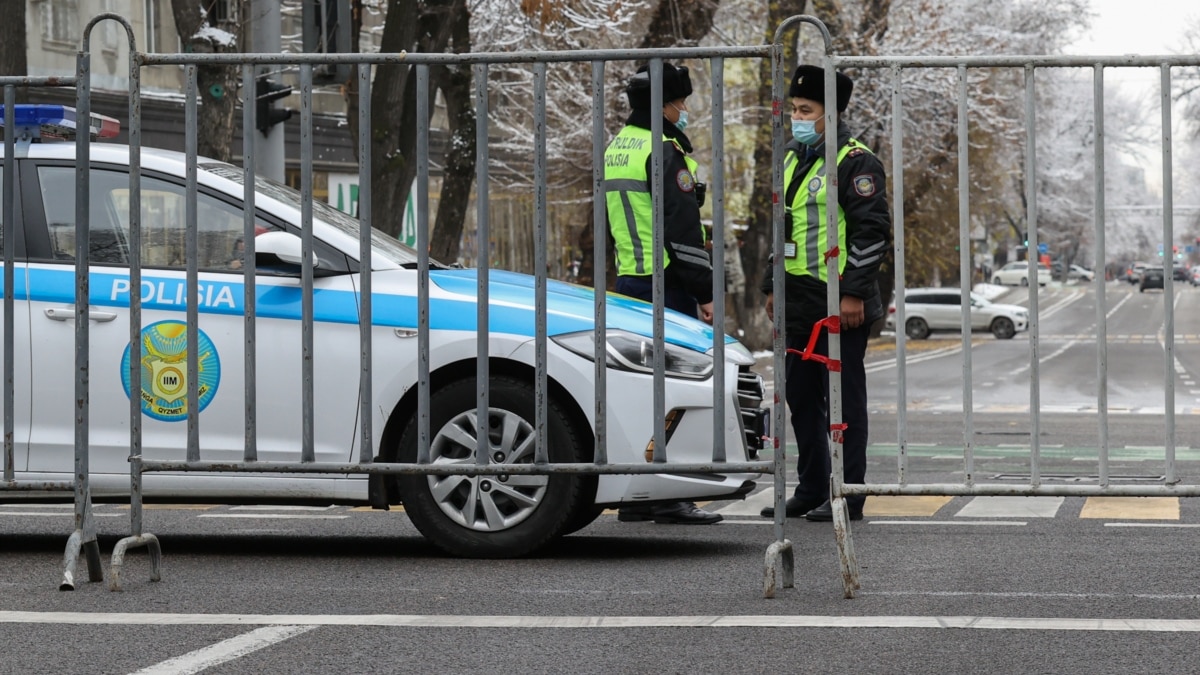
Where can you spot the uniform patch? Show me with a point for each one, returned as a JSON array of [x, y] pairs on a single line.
[[864, 185], [855, 152], [814, 185], [685, 181]]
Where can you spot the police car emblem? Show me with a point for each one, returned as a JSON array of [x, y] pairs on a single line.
[[864, 185], [685, 181], [164, 367], [814, 185]]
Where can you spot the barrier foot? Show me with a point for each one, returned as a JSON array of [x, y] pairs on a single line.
[[845, 543], [780, 568], [91, 549], [118, 558]]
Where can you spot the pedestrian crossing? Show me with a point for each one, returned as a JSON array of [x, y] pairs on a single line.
[[993, 509]]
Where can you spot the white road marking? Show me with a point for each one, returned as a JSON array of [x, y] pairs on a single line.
[[224, 651], [1008, 523], [39, 506], [268, 516], [268, 507], [1180, 525], [427, 621], [58, 514]]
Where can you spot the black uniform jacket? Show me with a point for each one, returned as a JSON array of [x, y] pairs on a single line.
[[868, 237], [683, 232]]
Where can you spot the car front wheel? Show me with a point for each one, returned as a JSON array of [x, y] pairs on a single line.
[[997, 281], [499, 516], [1024, 281], [1003, 328], [916, 329]]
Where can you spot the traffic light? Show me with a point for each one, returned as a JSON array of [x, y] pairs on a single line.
[[266, 93], [1026, 243], [325, 29]]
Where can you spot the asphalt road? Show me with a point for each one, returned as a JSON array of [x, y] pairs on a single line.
[[973, 585]]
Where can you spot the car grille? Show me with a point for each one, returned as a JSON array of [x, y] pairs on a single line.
[[750, 394]]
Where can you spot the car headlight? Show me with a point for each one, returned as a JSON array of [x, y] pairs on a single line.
[[635, 353]]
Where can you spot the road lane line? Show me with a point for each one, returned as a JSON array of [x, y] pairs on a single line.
[[1005, 523], [224, 651], [426, 621], [58, 514], [1179, 525], [270, 516]]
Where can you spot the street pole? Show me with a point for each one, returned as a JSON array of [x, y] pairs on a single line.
[[266, 29]]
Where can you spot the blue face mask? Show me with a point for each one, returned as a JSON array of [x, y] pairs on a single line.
[[680, 123], [805, 131]]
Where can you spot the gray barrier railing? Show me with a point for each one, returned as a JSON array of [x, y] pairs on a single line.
[[895, 66], [17, 138], [726, 423]]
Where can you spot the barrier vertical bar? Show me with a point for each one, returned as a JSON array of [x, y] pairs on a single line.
[[191, 249], [84, 536], [365, 318], [10, 149], [308, 449], [423, 430], [898, 262], [541, 450], [965, 275], [1098, 280], [1168, 272], [1033, 273], [249, 268], [659, 289], [483, 246], [599, 265], [717, 65]]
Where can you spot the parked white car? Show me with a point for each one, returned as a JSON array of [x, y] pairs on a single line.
[[1081, 273], [486, 516], [1017, 274], [940, 309]]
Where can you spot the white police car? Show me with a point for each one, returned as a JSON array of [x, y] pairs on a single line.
[[458, 513]]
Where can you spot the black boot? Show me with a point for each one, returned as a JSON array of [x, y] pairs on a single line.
[[824, 513], [683, 513], [793, 508]]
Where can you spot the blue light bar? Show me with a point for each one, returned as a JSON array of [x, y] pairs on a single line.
[[59, 121]]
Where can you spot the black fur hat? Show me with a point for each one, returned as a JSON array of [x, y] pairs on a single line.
[[809, 82], [676, 84]]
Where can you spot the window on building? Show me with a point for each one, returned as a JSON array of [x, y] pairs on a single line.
[[60, 20]]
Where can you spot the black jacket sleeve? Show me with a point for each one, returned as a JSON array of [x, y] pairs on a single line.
[[683, 232], [862, 193]]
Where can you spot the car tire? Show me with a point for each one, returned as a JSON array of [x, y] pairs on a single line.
[[996, 281], [583, 517], [1003, 328], [916, 328], [1024, 281], [493, 516]]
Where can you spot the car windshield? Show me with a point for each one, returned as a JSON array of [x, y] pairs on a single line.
[[381, 243]]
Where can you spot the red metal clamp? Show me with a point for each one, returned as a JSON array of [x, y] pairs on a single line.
[[834, 325]]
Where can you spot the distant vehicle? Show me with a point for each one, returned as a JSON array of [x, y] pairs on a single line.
[[1181, 272], [940, 309], [1080, 273], [1017, 274], [1152, 277], [1195, 276], [1134, 274]]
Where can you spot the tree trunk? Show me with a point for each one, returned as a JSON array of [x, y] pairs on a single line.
[[216, 84], [414, 26], [757, 240], [680, 23], [455, 85], [13, 49]]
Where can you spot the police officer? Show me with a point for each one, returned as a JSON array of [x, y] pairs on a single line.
[[864, 236], [687, 269]]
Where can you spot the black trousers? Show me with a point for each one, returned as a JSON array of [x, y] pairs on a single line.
[[807, 392], [642, 288]]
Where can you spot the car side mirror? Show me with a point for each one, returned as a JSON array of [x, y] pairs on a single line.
[[280, 249]]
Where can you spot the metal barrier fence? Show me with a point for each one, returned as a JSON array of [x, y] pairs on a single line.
[[17, 138], [970, 487], [407, 410]]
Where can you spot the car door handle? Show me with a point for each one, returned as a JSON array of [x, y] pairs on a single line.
[[68, 313]]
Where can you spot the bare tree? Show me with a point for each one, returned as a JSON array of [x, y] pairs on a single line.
[[209, 27], [13, 47]]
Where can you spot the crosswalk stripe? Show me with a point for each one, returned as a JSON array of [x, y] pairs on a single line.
[[881, 505], [1131, 508]]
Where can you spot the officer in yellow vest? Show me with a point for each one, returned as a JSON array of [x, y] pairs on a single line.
[[687, 270], [863, 241]]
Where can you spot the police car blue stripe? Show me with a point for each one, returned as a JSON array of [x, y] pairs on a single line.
[[570, 309]]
